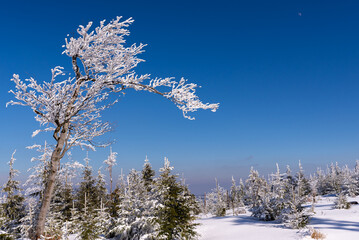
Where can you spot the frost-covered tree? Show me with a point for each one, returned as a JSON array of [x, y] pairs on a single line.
[[28, 220], [147, 175], [280, 198], [71, 108], [322, 183], [216, 201], [35, 183], [87, 224], [73, 226], [3, 217], [355, 179], [294, 215], [87, 194], [137, 211], [341, 202], [102, 219], [234, 196], [297, 218], [336, 178], [110, 162], [13, 202], [117, 196], [101, 185], [262, 198], [303, 185], [350, 183], [177, 206], [256, 188]]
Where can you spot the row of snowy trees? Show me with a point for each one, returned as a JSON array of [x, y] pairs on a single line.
[[141, 206], [282, 195]]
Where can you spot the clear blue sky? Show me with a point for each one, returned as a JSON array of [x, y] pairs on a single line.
[[286, 74]]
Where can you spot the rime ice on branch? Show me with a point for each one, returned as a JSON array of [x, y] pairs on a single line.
[[107, 65]]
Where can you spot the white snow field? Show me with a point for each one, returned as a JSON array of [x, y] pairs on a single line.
[[242, 227], [336, 224]]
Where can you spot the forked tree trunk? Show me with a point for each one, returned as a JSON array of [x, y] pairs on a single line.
[[56, 156]]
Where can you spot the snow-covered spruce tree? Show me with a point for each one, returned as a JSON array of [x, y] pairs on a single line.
[[117, 196], [294, 215], [313, 181], [71, 109], [336, 178], [87, 189], [137, 210], [350, 183], [13, 203], [303, 185], [101, 185], [273, 202], [35, 183], [3, 217], [102, 219], [87, 201], [323, 186], [216, 201], [73, 225], [256, 190], [297, 218], [242, 190], [175, 213], [87, 226], [355, 180], [341, 202], [147, 175], [3, 220], [28, 220], [67, 173], [234, 197], [112, 198], [110, 162]]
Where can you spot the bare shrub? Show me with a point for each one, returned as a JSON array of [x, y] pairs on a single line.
[[315, 234]]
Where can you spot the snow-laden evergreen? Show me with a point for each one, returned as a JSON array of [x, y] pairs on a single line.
[[145, 207], [12, 202], [177, 207], [283, 195], [216, 201], [137, 211], [110, 162]]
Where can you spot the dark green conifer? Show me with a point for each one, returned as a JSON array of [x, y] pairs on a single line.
[[175, 217], [147, 175], [13, 205]]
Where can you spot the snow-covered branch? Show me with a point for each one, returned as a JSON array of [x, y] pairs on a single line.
[[103, 65]]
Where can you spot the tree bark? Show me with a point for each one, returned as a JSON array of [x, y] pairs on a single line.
[[56, 156]]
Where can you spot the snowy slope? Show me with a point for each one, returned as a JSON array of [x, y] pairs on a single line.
[[334, 223], [243, 226]]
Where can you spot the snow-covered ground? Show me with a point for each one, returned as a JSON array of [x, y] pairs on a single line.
[[334, 223]]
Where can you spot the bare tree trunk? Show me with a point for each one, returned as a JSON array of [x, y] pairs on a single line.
[[56, 156]]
